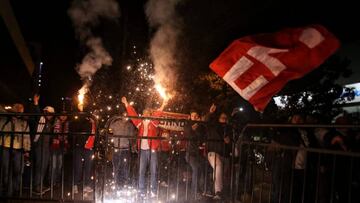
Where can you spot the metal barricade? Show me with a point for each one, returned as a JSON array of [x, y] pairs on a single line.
[[250, 171], [270, 172], [43, 173]]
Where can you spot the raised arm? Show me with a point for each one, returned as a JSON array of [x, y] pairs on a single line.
[[209, 116], [34, 108], [163, 105], [131, 111]]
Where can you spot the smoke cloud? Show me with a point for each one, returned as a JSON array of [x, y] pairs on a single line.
[[86, 14], [94, 59], [162, 16]]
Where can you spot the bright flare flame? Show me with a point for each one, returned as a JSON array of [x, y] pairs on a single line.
[[81, 94], [162, 91]]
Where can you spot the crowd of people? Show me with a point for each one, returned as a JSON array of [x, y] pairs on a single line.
[[38, 144], [212, 143], [196, 130], [296, 174], [316, 176]]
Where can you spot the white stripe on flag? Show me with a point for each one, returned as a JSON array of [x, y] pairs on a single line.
[[311, 37]]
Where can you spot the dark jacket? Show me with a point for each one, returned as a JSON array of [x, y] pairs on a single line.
[[329, 137], [196, 137], [33, 120], [218, 131], [80, 125]]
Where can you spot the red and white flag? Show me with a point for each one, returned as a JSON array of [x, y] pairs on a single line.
[[259, 66]]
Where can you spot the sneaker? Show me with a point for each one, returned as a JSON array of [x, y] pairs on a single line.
[[36, 192], [218, 196], [164, 184], [199, 196], [141, 196], [153, 195], [207, 194], [88, 189], [75, 189]]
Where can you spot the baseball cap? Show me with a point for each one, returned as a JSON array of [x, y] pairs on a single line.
[[49, 109]]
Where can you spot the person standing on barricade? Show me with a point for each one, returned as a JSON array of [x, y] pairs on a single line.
[[83, 154], [34, 120], [59, 145], [14, 148], [41, 149], [147, 147], [122, 146], [218, 151], [195, 132]]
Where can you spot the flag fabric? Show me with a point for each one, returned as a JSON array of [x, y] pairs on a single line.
[[257, 67], [170, 129], [91, 139]]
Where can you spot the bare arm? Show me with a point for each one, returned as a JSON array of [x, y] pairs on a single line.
[[131, 111], [162, 106]]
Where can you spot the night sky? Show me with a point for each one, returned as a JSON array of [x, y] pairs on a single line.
[[208, 26]]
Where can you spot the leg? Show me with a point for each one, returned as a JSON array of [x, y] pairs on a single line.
[[37, 167], [144, 157], [216, 164], [17, 169], [88, 163], [116, 161], [124, 173], [4, 170], [53, 166], [59, 166], [194, 164], [78, 164], [45, 162], [153, 171], [201, 173], [226, 175], [56, 159]]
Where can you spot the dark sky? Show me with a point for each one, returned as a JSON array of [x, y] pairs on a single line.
[[208, 27]]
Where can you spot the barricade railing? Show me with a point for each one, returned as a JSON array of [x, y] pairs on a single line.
[[250, 171], [43, 173], [275, 172]]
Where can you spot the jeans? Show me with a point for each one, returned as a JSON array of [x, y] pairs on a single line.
[[148, 157], [195, 163], [56, 166], [10, 180], [121, 166], [42, 156], [83, 165]]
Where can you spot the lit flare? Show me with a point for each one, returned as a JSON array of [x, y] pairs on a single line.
[[81, 95], [162, 92]]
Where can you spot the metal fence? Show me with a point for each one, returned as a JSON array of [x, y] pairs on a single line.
[[254, 170], [42, 173], [270, 172]]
